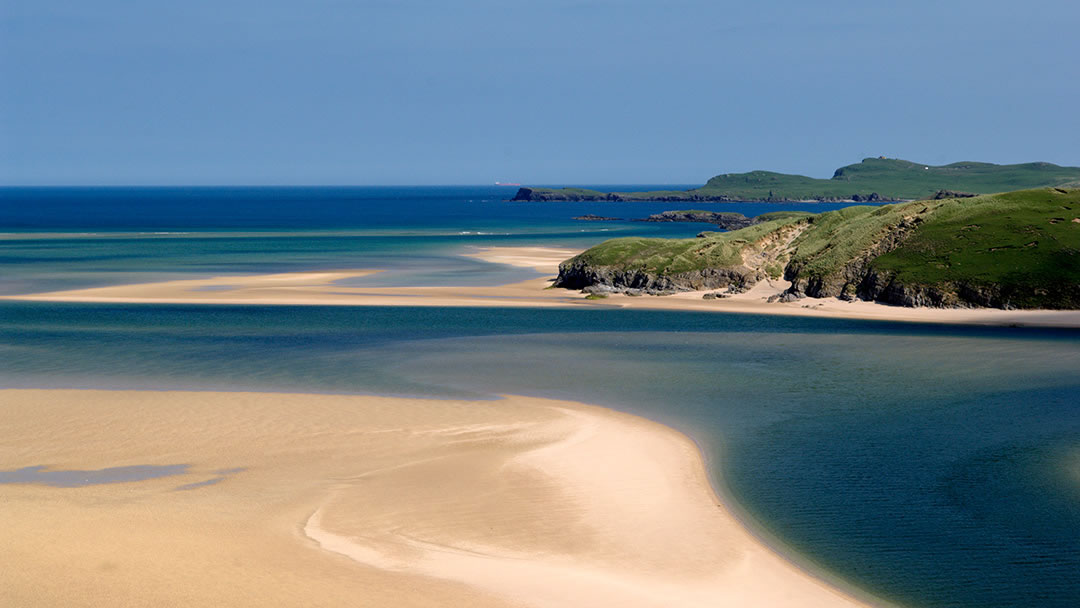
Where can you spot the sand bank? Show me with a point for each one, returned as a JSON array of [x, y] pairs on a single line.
[[318, 288], [541, 259], [316, 500]]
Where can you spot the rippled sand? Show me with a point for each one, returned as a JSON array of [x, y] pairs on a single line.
[[315, 500]]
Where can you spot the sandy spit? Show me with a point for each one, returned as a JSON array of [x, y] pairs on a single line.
[[323, 500]]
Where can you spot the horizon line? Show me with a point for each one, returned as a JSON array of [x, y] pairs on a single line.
[[474, 185]]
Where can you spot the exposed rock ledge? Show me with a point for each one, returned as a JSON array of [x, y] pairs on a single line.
[[604, 280]]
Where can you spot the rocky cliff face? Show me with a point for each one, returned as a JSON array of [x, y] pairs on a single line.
[[851, 279], [606, 279], [883, 287]]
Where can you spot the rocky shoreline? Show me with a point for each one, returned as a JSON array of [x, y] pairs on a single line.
[[547, 195], [606, 280], [860, 283]]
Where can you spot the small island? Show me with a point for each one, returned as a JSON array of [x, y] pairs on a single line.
[[590, 217], [872, 180], [722, 220]]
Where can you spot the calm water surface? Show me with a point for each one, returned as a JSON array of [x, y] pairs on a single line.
[[931, 465], [67, 238]]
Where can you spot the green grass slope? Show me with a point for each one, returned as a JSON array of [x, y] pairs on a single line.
[[713, 260], [1012, 250], [890, 179], [1019, 249], [672, 256]]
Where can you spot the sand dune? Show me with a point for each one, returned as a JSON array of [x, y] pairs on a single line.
[[345, 501]]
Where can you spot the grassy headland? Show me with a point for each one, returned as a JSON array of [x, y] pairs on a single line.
[[1011, 250], [872, 179]]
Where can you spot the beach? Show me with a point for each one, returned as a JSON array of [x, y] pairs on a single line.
[[337, 305], [323, 500], [320, 288]]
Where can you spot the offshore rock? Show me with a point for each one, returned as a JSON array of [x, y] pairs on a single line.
[[589, 217], [725, 221]]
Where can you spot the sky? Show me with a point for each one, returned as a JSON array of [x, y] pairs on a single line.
[[552, 92]]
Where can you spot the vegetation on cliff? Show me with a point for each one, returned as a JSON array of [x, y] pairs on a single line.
[[873, 179], [1012, 250], [715, 259]]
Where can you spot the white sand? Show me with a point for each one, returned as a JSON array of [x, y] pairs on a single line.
[[347, 501], [541, 259]]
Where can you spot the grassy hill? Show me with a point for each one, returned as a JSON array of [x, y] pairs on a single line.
[[889, 179], [1011, 250]]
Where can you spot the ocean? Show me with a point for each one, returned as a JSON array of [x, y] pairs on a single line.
[[928, 465]]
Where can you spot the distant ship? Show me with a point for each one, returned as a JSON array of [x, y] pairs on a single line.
[[506, 184]]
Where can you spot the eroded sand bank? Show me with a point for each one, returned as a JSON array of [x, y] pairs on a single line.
[[319, 288], [316, 500]]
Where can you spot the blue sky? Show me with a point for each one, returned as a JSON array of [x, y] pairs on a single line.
[[541, 92]]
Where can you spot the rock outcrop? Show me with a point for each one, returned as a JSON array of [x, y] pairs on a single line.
[[601, 279], [944, 194], [725, 221]]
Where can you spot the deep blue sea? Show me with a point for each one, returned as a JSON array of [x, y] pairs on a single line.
[[927, 465]]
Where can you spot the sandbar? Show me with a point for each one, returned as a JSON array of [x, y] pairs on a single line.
[[327, 500], [319, 288]]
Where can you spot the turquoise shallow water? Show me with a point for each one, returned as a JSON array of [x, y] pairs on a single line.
[[65, 238], [931, 465]]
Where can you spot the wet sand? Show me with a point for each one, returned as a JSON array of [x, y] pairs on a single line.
[[318, 288], [317, 500]]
